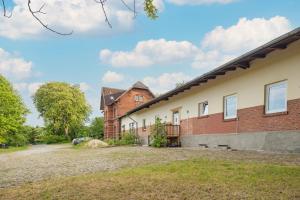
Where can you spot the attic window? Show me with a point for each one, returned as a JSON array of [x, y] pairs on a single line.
[[138, 98]]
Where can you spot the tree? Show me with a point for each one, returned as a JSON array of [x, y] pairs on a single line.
[[96, 128], [12, 111], [62, 106], [149, 8]]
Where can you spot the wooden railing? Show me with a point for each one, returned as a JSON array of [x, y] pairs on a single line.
[[172, 130]]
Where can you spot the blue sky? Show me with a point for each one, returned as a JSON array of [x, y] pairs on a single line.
[[189, 38]]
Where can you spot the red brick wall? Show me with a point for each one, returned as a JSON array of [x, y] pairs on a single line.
[[123, 105], [249, 120], [127, 101]]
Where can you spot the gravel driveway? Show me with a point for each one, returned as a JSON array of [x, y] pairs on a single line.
[[52, 161]]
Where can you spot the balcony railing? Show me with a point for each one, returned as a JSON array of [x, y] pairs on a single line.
[[172, 130]]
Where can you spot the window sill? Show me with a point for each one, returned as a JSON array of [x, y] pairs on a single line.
[[275, 114], [203, 116], [230, 119]]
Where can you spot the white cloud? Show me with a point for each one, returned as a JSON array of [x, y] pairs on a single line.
[[200, 2], [218, 46], [84, 86], [112, 77], [150, 52], [31, 88], [14, 66], [246, 34], [165, 82], [223, 44], [82, 16]]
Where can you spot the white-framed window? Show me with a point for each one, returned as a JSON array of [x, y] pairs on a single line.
[[139, 98], [276, 97], [203, 108], [132, 127], [230, 106], [144, 124]]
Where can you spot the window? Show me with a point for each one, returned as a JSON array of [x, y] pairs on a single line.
[[139, 98], [144, 124], [123, 128], [131, 127], [230, 107], [203, 109], [276, 97]]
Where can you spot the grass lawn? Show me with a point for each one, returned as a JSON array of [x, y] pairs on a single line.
[[13, 149], [191, 179]]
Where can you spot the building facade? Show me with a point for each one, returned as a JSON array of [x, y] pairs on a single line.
[[250, 103], [116, 102]]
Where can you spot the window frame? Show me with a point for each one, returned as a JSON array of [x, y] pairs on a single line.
[[267, 97], [200, 108], [225, 107]]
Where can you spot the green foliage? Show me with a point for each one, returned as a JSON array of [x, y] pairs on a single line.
[[52, 139], [62, 106], [12, 112], [128, 138], [158, 135], [150, 9], [96, 128]]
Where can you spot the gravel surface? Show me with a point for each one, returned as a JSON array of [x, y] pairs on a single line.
[[52, 161]]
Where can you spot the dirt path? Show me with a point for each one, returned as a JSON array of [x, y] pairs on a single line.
[[52, 161]]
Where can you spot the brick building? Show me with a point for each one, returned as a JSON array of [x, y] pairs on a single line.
[[116, 102]]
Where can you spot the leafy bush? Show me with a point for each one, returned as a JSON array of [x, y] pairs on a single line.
[[128, 138], [52, 139], [18, 140], [111, 142], [158, 135]]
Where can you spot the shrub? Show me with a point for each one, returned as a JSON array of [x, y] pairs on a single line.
[[158, 135], [52, 139], [128, 138], [18, 140]]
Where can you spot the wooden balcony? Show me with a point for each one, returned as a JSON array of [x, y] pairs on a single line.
[[173, 134]]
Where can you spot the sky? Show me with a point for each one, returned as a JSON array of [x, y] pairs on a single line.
[[189, 38]]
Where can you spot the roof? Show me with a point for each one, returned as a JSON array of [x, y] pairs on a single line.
[[109, 95], [242, 62], [140, 85]]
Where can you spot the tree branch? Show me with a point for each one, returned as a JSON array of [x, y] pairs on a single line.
[[4, 10], [33, 13], [102, 2], [129, 8]]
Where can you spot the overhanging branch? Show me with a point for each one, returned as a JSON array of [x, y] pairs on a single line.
[[5, 11], [33, 13]]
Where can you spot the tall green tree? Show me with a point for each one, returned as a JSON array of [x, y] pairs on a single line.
[[62, 106], [12, 111], [96, 128]]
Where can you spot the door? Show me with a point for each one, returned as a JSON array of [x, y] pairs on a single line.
[[176, 118]]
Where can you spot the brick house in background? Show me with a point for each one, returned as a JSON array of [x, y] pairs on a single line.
[[116, 102]]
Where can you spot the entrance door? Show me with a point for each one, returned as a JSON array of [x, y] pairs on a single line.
[[176, 118]]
